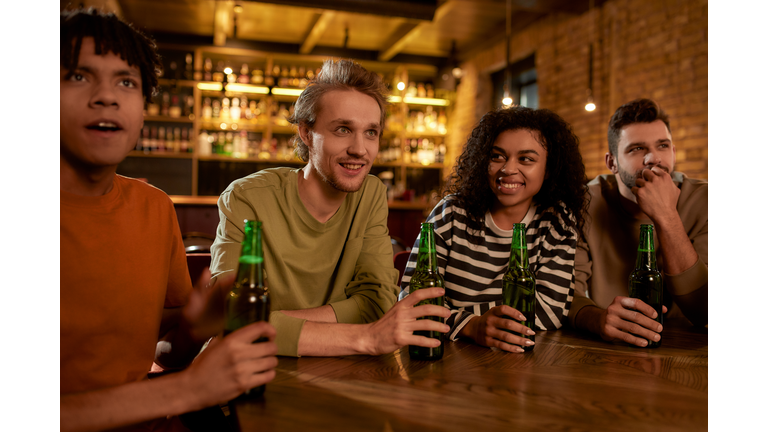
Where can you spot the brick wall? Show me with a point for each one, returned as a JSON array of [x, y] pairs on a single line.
[[642, 48]]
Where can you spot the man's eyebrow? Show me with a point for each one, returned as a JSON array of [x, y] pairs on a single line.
[[346, 122], [120, 72]]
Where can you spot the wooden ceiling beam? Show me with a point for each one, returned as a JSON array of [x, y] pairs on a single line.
[[316, 31], [408, 30], [399, 39]]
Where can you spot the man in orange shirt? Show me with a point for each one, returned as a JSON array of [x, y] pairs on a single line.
[[124, 279]]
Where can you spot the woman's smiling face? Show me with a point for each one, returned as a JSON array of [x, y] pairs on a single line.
[[517, 168]]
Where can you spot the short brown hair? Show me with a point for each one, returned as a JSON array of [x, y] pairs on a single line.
[[637, 111], [334, 75]]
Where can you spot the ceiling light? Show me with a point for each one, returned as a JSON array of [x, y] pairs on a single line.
[[401, 86]]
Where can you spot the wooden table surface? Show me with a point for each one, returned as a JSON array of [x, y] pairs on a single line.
[[569, 382]]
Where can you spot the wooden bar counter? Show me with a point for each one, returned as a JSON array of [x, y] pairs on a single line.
[[570, 381]]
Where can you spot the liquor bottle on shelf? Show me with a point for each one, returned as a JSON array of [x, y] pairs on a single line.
[[144, 142], [302, 77], [228, 144], [250, 113], [248, 302], [430, 90], [174, 73], [442, 122], [203, 144], [282, 116], [234, 111], [160, 139], [224, 115], [216, 109], [188, 67], [257, 76], [166, 104], [219, 149], [175, 109], [152, 140], [207, 70], [294, 75], [244, 77], [184, 140], [285, 80], [207, 111], [427, 275], [645, 282], [411, 91], [519, 284], [421, 91], [231, 76], [218, 74]]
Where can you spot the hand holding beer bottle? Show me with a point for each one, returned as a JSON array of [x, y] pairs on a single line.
[[248, 302]]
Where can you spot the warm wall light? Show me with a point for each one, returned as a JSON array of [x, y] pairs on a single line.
[[286, 91], [227, 70], [247, 88], [425, 101], [401, 86], [590, 106], [209, 86], [507, 100]]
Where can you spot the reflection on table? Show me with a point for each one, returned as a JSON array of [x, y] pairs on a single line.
[[570, 381]]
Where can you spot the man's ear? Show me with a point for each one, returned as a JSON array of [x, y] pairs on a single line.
[[610, 163], [305, 135]]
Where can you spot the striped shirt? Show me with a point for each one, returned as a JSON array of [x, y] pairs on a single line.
[[473, 272]]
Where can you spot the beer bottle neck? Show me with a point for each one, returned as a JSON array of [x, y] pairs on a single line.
[[426, 260], [518, 256], [251, 262], [646, 251]]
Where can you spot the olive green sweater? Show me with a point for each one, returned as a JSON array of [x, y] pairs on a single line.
[[345, 262], [607, 254]]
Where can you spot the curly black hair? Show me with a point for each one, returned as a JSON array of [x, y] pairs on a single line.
[[110, 34], [565, 181]]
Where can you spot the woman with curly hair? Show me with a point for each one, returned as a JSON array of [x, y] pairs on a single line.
[[518, 165]]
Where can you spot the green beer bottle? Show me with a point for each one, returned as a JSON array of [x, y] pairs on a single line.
[[426, 275], [248, 302], [519, 285], [645, 280]]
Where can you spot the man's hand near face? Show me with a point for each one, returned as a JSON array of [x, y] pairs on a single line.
[[657, 197]]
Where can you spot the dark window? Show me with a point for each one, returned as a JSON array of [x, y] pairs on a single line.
[[522, 84]]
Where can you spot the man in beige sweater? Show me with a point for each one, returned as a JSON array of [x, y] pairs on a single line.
[[644, 188]]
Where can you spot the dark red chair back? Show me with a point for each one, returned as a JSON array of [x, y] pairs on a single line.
[[196, 262], [401, 260]]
